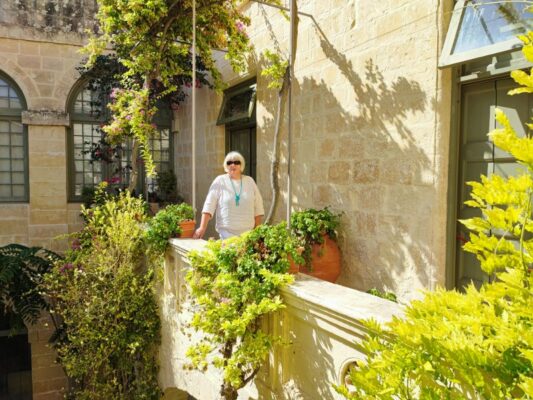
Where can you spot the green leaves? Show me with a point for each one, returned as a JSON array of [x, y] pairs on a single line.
[[309, 227], [22, 271], [235, 284], [165, 225], [276, 70], [103, 302]]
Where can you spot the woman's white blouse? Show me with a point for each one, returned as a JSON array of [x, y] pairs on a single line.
[[233, 219]]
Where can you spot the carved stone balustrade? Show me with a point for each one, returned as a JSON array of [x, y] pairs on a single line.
[[322, 325]]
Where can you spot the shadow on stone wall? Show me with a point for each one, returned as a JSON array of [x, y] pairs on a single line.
[[359, 151]]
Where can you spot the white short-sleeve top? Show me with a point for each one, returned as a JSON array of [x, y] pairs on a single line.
[[233, 219]]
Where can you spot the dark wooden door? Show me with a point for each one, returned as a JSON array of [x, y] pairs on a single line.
[[243, 140], [479, 156]]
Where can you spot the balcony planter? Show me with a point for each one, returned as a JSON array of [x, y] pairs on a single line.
[[187, 228], [167, 223], [315, 230], [325, 261]]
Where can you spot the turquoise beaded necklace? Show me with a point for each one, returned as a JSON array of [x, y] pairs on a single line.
[[237, 195]]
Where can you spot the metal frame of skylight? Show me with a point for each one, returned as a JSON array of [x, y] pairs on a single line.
[[448, 59]]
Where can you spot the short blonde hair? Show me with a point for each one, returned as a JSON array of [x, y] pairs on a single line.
[[234, 156]]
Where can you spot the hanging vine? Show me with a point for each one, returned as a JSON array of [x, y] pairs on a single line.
[[151, 41], [279, 73]]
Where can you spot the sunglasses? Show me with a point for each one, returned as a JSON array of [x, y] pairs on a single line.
[[237, 162]]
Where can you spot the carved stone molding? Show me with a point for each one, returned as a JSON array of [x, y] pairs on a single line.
[[45, 117]]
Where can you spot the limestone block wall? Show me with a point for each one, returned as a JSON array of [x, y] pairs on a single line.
[[46, 74], [371, 115], [210, 142], [39, 43]]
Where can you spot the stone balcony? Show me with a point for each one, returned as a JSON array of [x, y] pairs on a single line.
[[322, 325]]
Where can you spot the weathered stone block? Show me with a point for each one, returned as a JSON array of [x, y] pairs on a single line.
[[9, 46], [46, 90], [47, 217], [29, 62], [47, 175], [339, 172], [327, 148], [45, 117], [47, 231], [13, 211], [366, 171], [14, 227]]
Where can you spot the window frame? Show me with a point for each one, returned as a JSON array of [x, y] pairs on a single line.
[[82, 118], [448, 59], [11, 115], [250, 85]]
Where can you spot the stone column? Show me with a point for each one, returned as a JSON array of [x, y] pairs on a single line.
[[47, 150], [48, 214]]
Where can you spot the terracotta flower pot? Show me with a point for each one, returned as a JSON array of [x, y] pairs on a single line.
[[293, 267], [187, 228], [325, 261]]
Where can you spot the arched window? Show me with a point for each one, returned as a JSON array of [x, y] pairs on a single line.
[[92, 160], [13, 144]]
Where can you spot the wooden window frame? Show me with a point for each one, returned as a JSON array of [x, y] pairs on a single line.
[[15, 115], [244, 87], [81, 118]]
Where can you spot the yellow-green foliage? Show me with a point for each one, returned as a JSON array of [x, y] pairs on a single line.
[[236, 282], [477, 344], [276, 69], [103, 303]]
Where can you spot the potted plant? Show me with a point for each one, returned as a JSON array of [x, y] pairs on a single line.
[[316, 232], [175, 220]]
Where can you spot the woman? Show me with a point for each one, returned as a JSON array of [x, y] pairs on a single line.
[[235, 199]]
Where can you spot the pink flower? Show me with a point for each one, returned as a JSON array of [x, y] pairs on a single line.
[[114, 93], [128, 117], [66, 267], [240, 26]]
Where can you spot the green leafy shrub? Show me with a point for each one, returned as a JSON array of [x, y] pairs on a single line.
[[309, 227], [165, 224], [476, 345], [102, 299], [235, 283], [21, 273]]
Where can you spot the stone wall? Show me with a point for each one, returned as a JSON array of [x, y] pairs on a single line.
[[46, 74], [39, 44], [52, 20], [371, 116]]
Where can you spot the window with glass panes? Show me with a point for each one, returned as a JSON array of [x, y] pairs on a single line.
[[13, 144], [93, 161]]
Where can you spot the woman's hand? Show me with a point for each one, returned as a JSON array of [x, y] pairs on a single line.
[[199, 233]]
